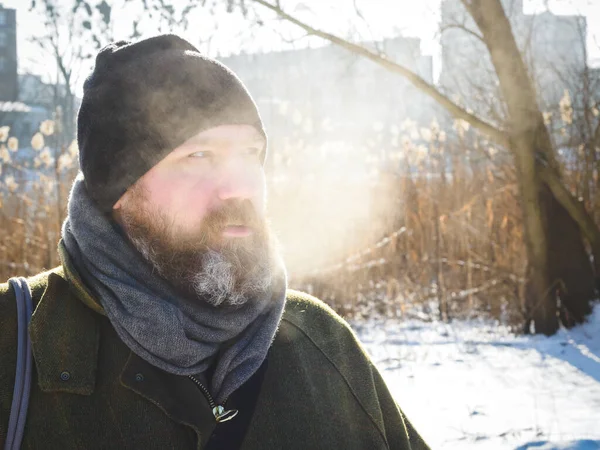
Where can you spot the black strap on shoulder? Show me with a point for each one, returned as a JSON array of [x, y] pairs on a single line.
[[20, 401]]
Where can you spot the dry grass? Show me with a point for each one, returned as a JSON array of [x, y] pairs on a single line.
[[452, 246]]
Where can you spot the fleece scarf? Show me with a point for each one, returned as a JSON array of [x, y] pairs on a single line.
[[175, 334]]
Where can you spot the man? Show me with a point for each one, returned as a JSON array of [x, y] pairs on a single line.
[[168, 324]]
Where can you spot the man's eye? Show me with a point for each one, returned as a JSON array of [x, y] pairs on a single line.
[[202, 155]]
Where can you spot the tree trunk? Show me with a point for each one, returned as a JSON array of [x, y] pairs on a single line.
[[540, 302], [553, 240]]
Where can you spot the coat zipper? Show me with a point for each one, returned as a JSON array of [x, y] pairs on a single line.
[[220, 413]]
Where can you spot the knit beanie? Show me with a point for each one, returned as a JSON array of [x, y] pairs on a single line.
[[146, 98]]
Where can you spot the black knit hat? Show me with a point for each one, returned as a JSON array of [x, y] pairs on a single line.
[[142, 100]]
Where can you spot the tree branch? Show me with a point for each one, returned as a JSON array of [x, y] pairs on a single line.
[[464, 28]]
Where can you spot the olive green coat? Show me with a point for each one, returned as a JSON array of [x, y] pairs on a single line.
[[319, 391]]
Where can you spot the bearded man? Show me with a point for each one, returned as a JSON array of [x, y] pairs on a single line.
[[169, 323]]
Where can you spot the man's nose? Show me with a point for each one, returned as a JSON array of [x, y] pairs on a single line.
[[236, 181]]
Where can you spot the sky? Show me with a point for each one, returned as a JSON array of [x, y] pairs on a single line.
[[385, 18]]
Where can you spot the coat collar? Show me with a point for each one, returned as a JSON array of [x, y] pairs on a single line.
[[79, 288]]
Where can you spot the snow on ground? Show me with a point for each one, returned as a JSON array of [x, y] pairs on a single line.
[[474, 385]]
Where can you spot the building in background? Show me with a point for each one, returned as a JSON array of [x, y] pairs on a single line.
[[9, 87], [34, 91], [329, 95]]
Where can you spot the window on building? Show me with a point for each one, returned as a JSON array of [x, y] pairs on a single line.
[[3, 39], [3, 64], [2, 17]]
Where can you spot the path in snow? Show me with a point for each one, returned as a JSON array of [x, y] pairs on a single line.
[[475, 386]]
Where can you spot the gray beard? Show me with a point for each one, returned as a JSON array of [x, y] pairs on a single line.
[[216, 281]]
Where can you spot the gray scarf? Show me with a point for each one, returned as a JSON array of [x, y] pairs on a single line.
[[170, 332]]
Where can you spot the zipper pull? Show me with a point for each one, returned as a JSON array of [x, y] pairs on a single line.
[[220, 413], [223, 415]]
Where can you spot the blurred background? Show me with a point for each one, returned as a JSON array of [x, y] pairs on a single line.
[[433, 175]]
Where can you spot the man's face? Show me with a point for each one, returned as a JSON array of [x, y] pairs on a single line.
[[198, 216]]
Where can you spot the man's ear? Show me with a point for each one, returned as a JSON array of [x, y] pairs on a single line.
[[116, 210], [120, 202]]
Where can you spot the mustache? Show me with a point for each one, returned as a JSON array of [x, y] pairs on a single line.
[[233, 211]]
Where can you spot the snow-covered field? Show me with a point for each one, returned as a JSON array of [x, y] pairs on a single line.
[[475, 386]]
